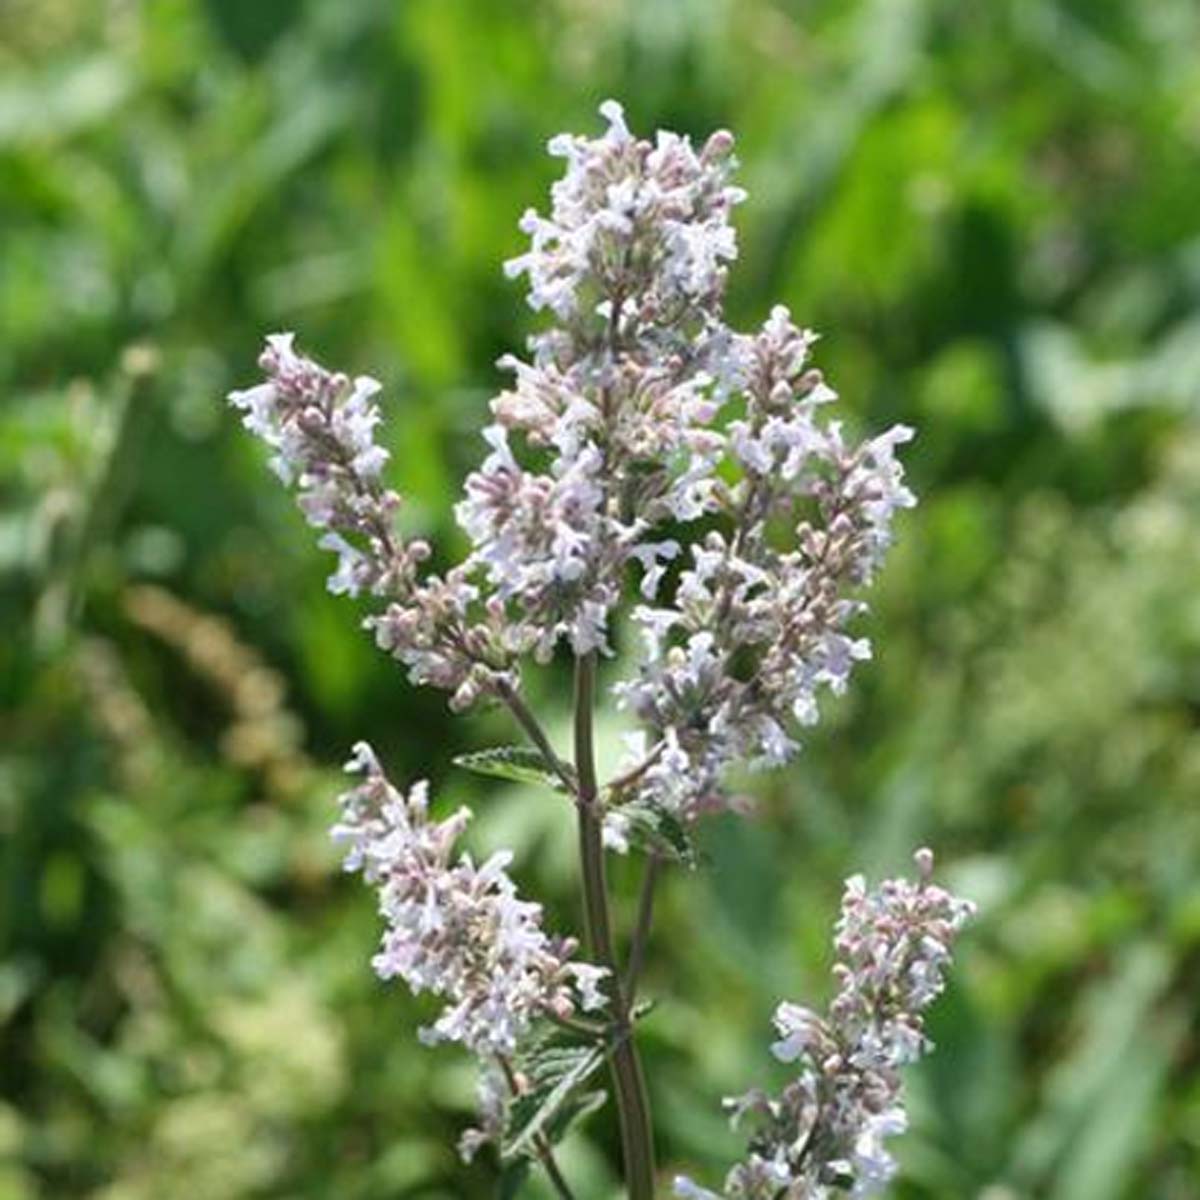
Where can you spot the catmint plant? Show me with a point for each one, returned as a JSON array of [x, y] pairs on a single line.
[[642, 448]]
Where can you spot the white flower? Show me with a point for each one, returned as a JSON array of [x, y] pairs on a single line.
[[352, 565], [636, 412], [833, 1120], [620, 196], [452, 928], [622, 390], [491, 1101], [322, 428], [872, 1166], [758, 627], [653, 557], [798, 1029]]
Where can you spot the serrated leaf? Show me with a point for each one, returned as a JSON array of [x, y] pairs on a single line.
[[653, 829], [518, 763], [550, 1103], [577, 1108]]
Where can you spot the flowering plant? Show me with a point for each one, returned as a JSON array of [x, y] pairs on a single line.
[[641, 432]]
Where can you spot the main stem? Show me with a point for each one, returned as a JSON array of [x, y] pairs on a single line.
[[629, 1082]]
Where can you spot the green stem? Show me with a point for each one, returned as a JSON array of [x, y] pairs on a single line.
[[535, 733], [541, 1144], [629, 1083], [641, 932], [555, 1176]]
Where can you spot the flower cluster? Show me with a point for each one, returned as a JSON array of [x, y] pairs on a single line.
[[620, 393], [825, 1132], [645, 223], [619, 416], [759, 620], [321, 427], [453, 928]]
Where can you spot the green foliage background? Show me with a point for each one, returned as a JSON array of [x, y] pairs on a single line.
[[991, 209]]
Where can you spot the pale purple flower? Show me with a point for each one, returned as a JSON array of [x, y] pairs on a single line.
[[759, 627], [321, 427], [453, 928], [542, 540], [622, 390], [826, 1132], [621, 198]]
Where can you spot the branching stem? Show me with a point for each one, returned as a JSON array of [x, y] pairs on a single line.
[[591, 1030], [541, 1144], [537, 735], [629, 1084], [641, 932]]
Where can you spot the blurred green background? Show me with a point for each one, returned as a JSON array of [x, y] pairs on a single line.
[[991, 210]]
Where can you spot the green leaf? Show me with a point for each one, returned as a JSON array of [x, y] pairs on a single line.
[[576, 1108], [518, 763], [551, 1102], [655, 830], [512, 1179]]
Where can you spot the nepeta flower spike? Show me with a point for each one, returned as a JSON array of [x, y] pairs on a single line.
[[322, 429], [759, 622], [825, 1132], [455, 929], [620, 392]]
